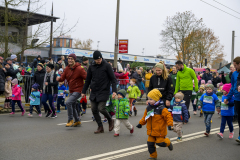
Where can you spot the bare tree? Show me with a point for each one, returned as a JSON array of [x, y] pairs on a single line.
[[87, 44]]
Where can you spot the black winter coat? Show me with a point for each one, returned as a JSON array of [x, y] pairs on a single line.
[[136, 76], [54, 84], [100, 77], [11, 72], [2, 80], [207, 77], [39, 78], [164, 86], [215, 81]]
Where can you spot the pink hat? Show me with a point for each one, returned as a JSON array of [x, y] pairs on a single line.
[[209, 82], [202, 81], [226, 87]]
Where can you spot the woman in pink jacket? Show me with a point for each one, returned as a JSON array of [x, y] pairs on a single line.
[[16, 96]]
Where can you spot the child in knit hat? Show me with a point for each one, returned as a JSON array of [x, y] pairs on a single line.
[[227, 112], [180, 114], [8, 92], [198, 96], [16, 97], [207, 102], [122, 112], [157, 118], [35, 100]]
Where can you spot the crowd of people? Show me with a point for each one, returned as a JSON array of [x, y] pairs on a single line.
[[169, 93]]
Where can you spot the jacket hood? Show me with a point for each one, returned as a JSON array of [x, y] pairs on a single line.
[[75, 66], [103, 61]]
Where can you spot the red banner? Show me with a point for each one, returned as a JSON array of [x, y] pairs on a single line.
[[123, 46]]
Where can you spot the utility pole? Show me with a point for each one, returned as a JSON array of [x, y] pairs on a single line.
[[233, 36], [98, 44], [116, 35], [51, 33]]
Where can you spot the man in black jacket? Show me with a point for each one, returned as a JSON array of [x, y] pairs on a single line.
[[36, 61], [100, 76], [207, 75], [10, 71]]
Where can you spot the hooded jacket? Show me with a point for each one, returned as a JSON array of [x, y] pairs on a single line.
[[234, 87], [100, 77], [157, 124], [16, 91], [134, 92], [75, 77], [39, 78], [227, 110], [164, 86], [208, 101], [179, 115], [36, 61], [122, 108], [11, 72]]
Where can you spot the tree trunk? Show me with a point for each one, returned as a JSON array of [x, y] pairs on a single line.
[[6, 30]]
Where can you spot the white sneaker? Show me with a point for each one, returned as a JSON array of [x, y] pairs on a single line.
[[29, 115]]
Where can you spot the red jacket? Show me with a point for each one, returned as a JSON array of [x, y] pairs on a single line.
[[75, 76], [126, 79]]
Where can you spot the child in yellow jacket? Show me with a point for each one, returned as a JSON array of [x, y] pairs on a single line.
[[157, 118]]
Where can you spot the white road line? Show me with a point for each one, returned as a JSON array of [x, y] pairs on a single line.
[[60, 124], [145, 145], [146, 149]]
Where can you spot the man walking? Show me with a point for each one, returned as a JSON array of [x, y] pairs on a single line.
[[75, 76], [100, 75], [184, 82]]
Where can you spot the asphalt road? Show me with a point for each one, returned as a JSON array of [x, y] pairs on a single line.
[[35, 138]]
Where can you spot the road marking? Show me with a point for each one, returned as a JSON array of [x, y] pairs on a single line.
[[60, 124], [216, 130]]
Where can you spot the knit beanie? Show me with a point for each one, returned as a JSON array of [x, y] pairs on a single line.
[[97, 55], [29, 69], [122, 92], [40, 64], [227, 87], [59, 59], [15, 81], [73, 56], [202, 81], [209, 82], [50, 66], [84, 58], [42, 61], [202, 87], [35, 86], [8, 59], [179, 95], [9, 78], [159, 65], [209, 86], [13, 56], [155, 94], [60, 70]]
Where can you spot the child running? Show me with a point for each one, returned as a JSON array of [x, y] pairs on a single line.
[[110, 108], [16, 97], [61, 96], [8, 92], [227, 112], [180, 114], [122, 112], [134, 93], [157, 118], [35, 100], [207, 102]]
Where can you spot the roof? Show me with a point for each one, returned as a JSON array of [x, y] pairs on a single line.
[[225, 69], [34, 18], [227, 66]]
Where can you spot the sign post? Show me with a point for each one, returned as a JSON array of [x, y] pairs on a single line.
[[123, 45]]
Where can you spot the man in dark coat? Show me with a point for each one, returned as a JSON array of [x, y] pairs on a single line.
[[36, 61], [100, 76], [10, 71], [58, 65], [207, 75], [39, 76]]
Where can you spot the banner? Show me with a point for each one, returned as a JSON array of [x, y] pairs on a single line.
[[123, 46]]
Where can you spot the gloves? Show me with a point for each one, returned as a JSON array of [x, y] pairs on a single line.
[[13, 95], [169, 128], [139, 126]]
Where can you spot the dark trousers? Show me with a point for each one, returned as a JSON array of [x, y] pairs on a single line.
[[237, 105], [19, 105], [60, 101], [229, 120], [50, 98], [100, 107], [194, 106], [37, 108], [187, 99]]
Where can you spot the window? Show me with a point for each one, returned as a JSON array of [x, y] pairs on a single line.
[[67, 43], [57, 42]]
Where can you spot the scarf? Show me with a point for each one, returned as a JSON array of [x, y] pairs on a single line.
[[51, 74]]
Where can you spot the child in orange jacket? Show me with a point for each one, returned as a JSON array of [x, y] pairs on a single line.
[[157, 118]]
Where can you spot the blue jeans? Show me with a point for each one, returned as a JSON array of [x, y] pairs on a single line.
[[37, 107], [122, 86], [229, 120], [60, 102], [50, 98], [207, 121]]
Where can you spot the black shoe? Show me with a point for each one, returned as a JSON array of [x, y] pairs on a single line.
[[135, 112], [201, 114], [48, 114], [170, 147], [53, 115]]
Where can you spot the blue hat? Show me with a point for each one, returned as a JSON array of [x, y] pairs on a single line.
[[35, 86]]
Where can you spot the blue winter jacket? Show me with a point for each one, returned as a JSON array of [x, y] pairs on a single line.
[[208, 102], [233, 90], [227, 110], [63, 88], [35, 98], [179, 115]]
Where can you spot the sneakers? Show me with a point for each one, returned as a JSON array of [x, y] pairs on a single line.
[[132, 130], [70, 123], [194, 112], [84, 111], [179, 139], [220, 135], [238, 140], [12, 113], [53, 115], [30, 115], [105, 121], [116, 135], [76, 124], [206, 134], [231, 135], [58, 111], [23, 112], [135, 112], [170, 147], [48, 114], [40, 115]]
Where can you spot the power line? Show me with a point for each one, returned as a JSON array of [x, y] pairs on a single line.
[[220, 9], [226, 6]]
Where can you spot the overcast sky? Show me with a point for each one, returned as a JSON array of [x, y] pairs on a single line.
[[141, 21]]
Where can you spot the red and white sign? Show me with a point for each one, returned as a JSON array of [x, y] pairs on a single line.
[[123, 45]]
